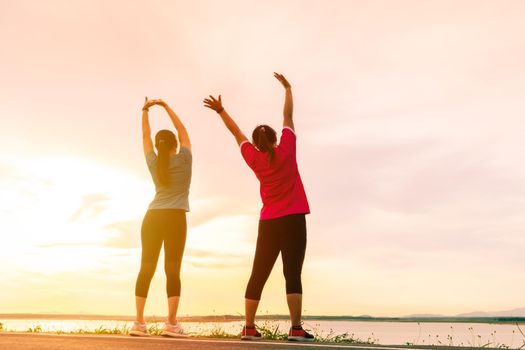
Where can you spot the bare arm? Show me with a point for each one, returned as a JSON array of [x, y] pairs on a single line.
[[288, 101], [216, 105], [179, 126], [147, 143]]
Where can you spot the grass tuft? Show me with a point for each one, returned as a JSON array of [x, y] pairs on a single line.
[[218, 332], [35, 329], [346, 338], [270, 330]]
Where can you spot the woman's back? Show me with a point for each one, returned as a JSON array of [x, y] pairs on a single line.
[[175, 194], [282, 190]]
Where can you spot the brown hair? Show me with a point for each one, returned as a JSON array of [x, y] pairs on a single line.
[[264, 138], [165, 141]]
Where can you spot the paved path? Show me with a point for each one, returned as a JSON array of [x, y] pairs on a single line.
[[29, 341]]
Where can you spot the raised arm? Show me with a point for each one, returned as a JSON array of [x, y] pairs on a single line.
[[147, 143], [216, 105], [288, 101], [177, 123]]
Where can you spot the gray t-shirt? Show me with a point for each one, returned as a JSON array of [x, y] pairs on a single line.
[[175, 194]]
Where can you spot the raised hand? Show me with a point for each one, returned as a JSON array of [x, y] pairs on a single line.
[[282, 80], [215, 104], [148, 103], [161, 103]]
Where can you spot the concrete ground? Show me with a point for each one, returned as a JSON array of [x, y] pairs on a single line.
[[40, 341]]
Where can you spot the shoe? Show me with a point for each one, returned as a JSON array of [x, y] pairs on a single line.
[[174, 330], [139, 330], [250, 333], [299, 334]]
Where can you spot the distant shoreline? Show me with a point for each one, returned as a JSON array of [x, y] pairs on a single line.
[[230, 318]]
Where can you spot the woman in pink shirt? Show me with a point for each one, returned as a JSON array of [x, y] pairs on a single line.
[[282, 224]]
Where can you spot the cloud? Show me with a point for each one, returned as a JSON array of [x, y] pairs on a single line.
[[124, 234], [207, 208], [90, 207], [214, 259]]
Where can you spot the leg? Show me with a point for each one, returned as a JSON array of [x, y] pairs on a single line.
[[140, 302], [151, 244], [266, 253], [250, 309], [293, 246], [173, 306], [174, 242], [295, 305]]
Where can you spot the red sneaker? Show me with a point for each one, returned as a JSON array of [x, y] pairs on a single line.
[[299, 334], [250, 333]]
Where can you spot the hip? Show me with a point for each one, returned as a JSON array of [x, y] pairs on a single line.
[[165, 215]]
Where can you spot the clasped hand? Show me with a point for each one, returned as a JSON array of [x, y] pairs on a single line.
[[150, 103]]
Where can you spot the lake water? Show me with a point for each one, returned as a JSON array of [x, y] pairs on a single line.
[[391, 333]]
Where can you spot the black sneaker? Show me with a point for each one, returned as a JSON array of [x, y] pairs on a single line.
[[299, 334]]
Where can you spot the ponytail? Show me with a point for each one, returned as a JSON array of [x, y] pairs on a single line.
[[264, 138], [162, 163], [164, 141]]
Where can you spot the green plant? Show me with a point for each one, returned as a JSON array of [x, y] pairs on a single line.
[[36, 329], [115, 330], [269, 331], [519, 329], [419, 333], [218, 332], [154, 329], [99, 330], [347, 338]]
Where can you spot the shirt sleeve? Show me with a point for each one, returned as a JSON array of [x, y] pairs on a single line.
[[186, 154], [151, 159], [288, 140], [248, 153]]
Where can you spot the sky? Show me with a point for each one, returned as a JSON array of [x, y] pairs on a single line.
[[409, 117]]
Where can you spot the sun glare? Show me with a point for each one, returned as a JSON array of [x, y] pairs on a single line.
[[70, 202]]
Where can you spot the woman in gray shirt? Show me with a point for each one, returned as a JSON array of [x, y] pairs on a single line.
[[165, 220]]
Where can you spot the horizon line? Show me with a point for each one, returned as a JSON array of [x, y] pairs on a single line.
[[229, 317]]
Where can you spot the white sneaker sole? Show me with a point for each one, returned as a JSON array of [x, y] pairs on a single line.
[[138, 334], [300, 339], [174, 335]]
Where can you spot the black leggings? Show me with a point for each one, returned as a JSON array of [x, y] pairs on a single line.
[[287, 235], [158, 226]]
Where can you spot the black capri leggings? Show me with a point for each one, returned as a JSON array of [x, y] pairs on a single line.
[[159, 226], [287, 235]]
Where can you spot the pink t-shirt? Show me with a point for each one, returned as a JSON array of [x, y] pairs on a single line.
[[282, 190]]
